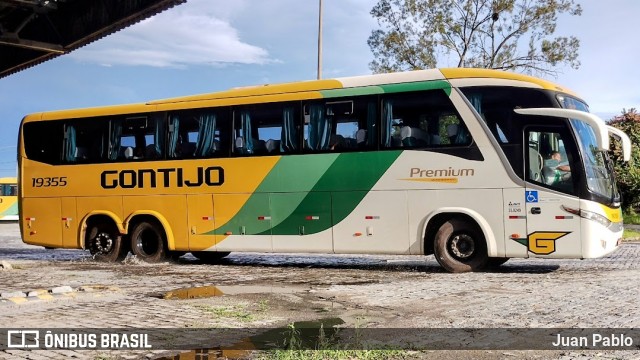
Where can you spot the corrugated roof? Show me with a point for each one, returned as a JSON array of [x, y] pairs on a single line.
[[34, 31]]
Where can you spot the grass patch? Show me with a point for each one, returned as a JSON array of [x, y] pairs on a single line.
[[630, 234], [234, 312], [263, 305], [631, 217], [326, 348], [337, 354]]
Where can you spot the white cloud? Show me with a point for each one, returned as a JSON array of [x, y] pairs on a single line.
[[185, 35]]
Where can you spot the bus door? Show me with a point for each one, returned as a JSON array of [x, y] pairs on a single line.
[[552, 230]]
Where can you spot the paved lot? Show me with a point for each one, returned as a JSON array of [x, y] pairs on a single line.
[[257, 291]]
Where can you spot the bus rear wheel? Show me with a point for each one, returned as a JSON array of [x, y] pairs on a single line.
[[460, 247], [210, 257], [148, 242], [105, 243]]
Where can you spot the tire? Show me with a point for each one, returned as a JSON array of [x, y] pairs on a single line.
[[210, 257], [149, 242], [105, 243], [460, 247]]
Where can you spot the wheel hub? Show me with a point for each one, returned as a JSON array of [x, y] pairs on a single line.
[[462, 246], [103, 243]]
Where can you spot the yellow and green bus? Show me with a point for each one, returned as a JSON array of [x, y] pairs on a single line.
[[475, 166], [8, 199]]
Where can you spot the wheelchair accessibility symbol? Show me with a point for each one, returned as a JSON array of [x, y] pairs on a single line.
[[532, 196]]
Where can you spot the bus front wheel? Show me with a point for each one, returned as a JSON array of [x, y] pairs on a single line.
[[460, 247], [148, 242], [106, 244]]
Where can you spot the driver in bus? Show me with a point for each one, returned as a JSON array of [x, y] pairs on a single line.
[[562, 169]]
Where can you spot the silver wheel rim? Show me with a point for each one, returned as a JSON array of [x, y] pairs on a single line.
[[104, 243], [462, 246]]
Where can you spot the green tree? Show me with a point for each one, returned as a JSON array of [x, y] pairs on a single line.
[[628, 173], [495, 34]]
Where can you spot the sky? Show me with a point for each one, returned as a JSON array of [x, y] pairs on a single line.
[[211, 45]]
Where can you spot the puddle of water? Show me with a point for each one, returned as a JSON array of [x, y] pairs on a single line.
[[193, 293], [213, 291], [303, 335]]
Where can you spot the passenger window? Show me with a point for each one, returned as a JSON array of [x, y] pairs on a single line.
[[85, 141], [196, 134], [9, 190], [136, 138], [422, 120], [344, 125], [43, 141], [269, 129]]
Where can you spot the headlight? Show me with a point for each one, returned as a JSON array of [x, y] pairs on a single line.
[[601, 219], [595, 217]]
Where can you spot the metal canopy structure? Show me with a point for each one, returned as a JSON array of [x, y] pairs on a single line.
[[34, 31]]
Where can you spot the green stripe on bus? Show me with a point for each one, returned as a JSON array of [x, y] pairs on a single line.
[[296, 173], [356, 171], [418, 86], [12, 210], [305, 207], [389, 89], [350, 172], [356, 91], [291, 174]]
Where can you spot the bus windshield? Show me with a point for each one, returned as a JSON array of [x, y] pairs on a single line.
[[597, 165]]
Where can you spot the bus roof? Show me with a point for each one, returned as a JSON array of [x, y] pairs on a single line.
[[8, 180], [366, 81], [316, 89]]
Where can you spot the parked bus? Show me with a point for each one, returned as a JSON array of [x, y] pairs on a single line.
[[474, 166], [8, 199]]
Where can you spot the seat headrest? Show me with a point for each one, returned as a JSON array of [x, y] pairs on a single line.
[[452, 130]]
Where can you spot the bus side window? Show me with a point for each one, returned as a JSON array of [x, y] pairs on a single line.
[[268, 129], [84, 141], [421, 120], [195, 134], [341, 125]]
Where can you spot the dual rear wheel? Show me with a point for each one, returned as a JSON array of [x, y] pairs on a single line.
[[148, 242]]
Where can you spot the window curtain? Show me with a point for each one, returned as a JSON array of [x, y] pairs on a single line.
[[476, 101], [462, 137], [289, 136], [70, 143], [387, 122], [174, 135], [245, 121], [371, 123], [114, 139], [158, 136], [319, 128], [206, 134]]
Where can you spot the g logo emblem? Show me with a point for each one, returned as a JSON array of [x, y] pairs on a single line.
[[542, 242]]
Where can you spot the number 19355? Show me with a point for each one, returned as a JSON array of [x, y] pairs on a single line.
[[49, 181]]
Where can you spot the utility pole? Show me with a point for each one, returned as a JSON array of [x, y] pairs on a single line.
[[320, 41]]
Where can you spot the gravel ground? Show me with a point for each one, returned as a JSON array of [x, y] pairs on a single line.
[[264, 291]]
